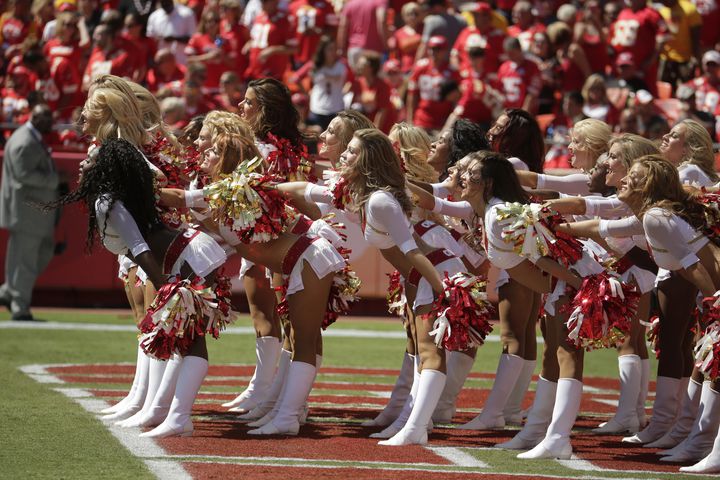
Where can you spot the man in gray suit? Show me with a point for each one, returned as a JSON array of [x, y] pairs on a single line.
[[28, 176]]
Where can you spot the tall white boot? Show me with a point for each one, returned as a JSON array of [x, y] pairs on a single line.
[[513, 412], [400, 421], [136, 380], [538, 418], [699, 443], [276, 406], [684, 421], [160, 406], [267, 351], [155, 376], [667, 397], [275, 391], [625, 419], [298, 385], [644, 388], [458, 368], [138, 399], [415, 430], [178, 421], [556, 443], [399, 394], [709, 464], [306, 407], [506, 376]]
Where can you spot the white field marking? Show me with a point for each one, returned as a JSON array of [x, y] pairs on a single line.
[[328, 464], [101, 327], [606, 401], [578, 464], [457, 457], [140, 447]]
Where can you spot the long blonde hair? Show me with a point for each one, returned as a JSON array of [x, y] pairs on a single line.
[[377, 168], [699, 145], [414, 146], [219, 121], [117, 115], [595, 136], [633, 147]]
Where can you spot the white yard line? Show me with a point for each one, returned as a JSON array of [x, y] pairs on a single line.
[[458, 457]]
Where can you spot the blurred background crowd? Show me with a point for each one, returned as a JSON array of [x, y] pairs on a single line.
[[638, 66]]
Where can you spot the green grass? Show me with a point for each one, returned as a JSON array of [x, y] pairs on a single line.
[[46, 435]]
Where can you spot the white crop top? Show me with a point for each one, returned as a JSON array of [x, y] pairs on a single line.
[[121, 233], [386, 225], [500, 253], [673, 242]]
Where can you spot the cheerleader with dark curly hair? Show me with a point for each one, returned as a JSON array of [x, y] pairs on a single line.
[[118, 188]]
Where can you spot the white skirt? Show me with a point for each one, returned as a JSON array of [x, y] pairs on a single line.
[[322, 257], [203, 254], [425, 294]]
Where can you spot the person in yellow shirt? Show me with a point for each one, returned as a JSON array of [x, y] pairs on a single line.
[[680, 52]]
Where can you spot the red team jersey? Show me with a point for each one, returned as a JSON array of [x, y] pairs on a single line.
[[118, 61], [425, 81], [310, 19], [525, 36], [269, 32], [491, 41], [237, 36], [374, 98], [200, 44], [707, 95], [404, 44], [516, 81], [709, 10], [477, 102]]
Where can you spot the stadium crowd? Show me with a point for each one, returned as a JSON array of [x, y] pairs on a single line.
[[638, 66]]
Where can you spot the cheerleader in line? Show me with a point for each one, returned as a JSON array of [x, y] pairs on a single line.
[[118, 189], [679, 390], [309, 266], [631, 252], [675, 225], [377, 186], [268, 109]]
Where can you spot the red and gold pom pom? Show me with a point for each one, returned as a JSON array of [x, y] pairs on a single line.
[[395, 297], [343, 293], [461, 316], [290, 162], [707, 352], [601, 312], [182, 311]]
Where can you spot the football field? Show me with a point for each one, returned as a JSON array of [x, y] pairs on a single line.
[[57, 375]]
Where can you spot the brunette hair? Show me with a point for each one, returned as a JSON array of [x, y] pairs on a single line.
[[521, 137], [466, 137], [497, 169], [233, 149], [277, 114]]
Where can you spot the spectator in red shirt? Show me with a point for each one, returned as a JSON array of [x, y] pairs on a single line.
[[59, 84], [707, 87], [636, 31], [482, 34], [310, 19], [208, 47], [17, 26], [145, 47], [235, 33], [519, 78], [272, 42], [426, 106], [525, 25], [231, 92], [363, 26], [590, 36], [479, 99], [165, 71], [405, 41], [372, 96], [173, 113], [15, 106], [572, 64], [66, 43], [108, 56]]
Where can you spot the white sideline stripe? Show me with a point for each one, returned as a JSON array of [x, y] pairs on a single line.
[[606, 401], [101, 327], [139, 447], [577, 464], [457, 457]]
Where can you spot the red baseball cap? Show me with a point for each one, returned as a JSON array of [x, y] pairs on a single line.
[[625, 58], [480, 7]]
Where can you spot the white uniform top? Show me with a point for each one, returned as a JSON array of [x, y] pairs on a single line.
[[673, 241], [120, 234], [691, 174], [574, 184]]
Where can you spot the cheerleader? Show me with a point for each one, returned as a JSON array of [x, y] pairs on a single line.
[[113, 110], [118, 188], [633, 361], [454, 143], [309, 265], [679, 390], [675, 225], [377, 187]]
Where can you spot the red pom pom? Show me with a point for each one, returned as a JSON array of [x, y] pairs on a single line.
[[395, 294], [601, 312], [461, 316]]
